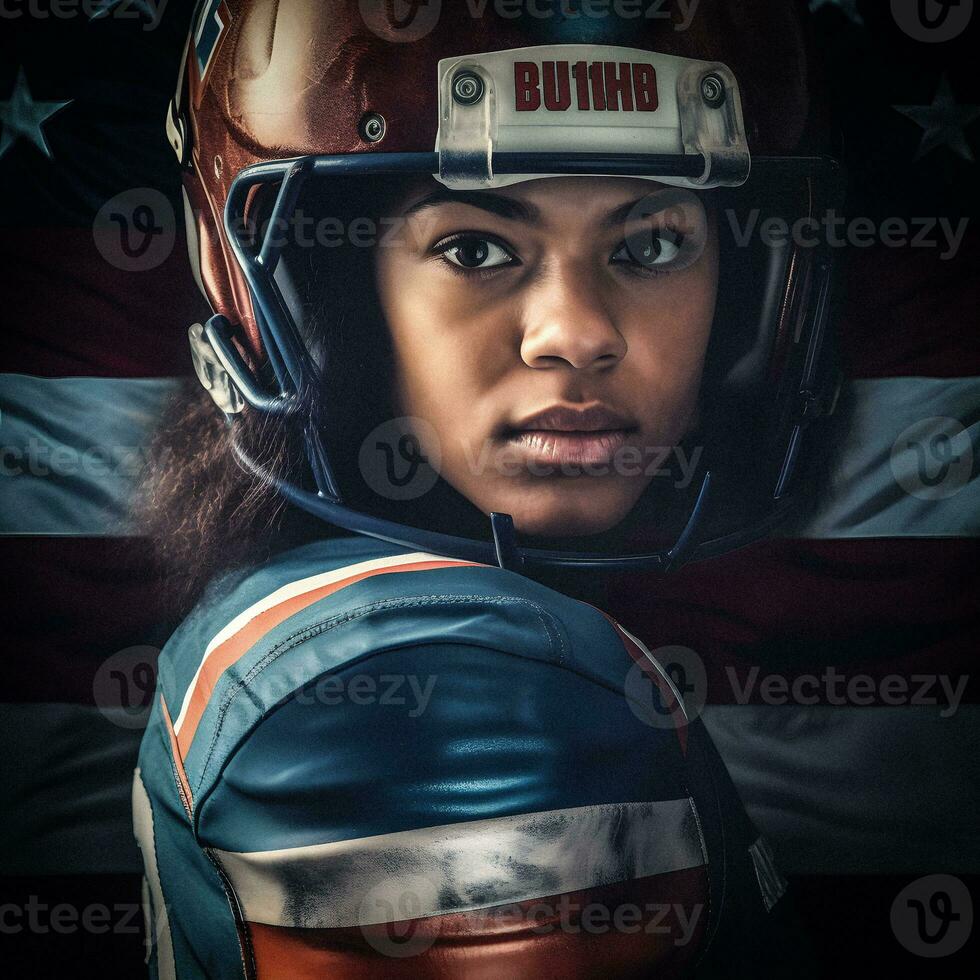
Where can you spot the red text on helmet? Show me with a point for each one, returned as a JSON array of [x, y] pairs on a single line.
[[602, 85]]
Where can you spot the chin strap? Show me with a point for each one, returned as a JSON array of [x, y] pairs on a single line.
[[503, 550], [505, 542], [222, 370], [686, 543]]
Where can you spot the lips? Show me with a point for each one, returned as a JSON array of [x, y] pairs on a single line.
[[569, 436], [562, 418]]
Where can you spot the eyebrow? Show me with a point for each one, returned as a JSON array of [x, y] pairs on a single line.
[[505, 207], [508, 207]]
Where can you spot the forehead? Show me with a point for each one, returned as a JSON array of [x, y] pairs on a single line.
[[533, 199]]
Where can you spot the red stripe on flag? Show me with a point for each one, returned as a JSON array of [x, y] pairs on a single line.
[[68, 605], [869, 606], [907, 312], [69, 312]]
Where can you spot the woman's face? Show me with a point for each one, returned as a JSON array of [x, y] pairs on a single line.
[[552, 334]]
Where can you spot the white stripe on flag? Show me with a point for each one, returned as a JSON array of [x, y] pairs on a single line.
[[855, 790], [71, 450], [907, 466], [65, 796]]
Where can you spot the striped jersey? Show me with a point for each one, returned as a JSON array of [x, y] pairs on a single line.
[[365, 762]]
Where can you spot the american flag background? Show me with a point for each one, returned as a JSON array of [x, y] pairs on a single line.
[[834, 664]]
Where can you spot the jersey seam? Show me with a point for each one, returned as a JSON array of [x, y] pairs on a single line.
[[320, 627]]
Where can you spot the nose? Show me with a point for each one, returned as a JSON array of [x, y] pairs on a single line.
[[568, 322]]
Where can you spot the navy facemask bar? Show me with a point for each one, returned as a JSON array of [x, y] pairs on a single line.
[[294, 371]]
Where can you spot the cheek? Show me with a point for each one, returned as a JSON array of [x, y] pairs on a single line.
[[446, 354], [407, 309], [668, 343]]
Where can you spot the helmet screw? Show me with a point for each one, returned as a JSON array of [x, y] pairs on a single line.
[[713, 90], [373, 127], [468, 87]]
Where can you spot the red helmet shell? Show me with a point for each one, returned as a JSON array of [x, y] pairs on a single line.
[[274, 79]]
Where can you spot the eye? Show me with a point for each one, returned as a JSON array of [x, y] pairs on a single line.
[[650, 252], [470, 252]]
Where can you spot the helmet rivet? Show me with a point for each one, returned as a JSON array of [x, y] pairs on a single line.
[[713, 90], [468, 87], [218, 167], [373, 127]]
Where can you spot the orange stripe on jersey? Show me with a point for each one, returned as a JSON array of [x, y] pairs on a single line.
[[185, 788], [236, 646]]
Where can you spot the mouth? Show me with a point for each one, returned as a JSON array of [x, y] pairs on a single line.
[[569, 448], [566, 436]]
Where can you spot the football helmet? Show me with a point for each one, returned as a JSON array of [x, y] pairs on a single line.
[[280, 100]]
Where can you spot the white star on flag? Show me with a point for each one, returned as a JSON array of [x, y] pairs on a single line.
[[944, 122], [22, 117], [107, 6], [848, 8]]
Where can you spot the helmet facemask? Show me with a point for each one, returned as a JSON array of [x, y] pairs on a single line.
[[766, 374]]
